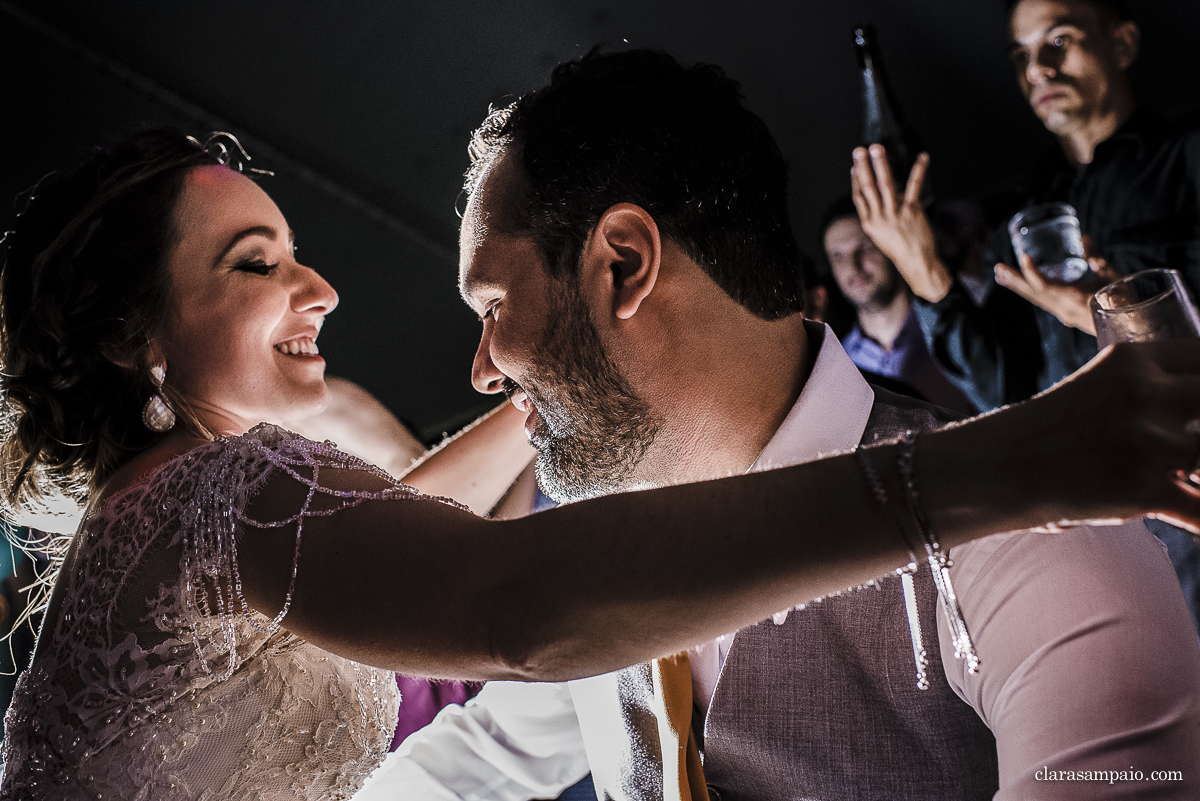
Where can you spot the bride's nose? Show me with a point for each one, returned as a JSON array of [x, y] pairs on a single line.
[[314, 293]]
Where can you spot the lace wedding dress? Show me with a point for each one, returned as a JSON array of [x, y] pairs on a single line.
[[158, 681]]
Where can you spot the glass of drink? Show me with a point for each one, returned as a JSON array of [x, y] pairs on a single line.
[[1152, 304], [1049, 235]]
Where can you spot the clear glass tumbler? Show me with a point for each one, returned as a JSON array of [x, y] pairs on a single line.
[[1049, 234]]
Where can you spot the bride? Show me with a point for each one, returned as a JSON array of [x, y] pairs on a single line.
[[225, 622]]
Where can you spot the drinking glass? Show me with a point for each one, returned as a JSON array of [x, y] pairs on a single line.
[[1152, 304], [1049, 235]]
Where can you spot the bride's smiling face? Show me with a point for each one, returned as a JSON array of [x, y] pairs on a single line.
[[240, 341]]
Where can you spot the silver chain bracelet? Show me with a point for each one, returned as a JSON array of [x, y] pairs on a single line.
[[939, 563]]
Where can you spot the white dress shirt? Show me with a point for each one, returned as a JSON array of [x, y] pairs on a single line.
[[1051, 620]]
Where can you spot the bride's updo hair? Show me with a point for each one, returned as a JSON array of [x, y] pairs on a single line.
[[83, 289]]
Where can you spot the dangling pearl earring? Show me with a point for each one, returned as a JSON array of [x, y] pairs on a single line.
[[156, 414]]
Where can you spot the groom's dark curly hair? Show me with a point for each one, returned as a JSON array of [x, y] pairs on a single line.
[[639, 127]]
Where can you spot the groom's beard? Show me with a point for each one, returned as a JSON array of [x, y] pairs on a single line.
[[591, 430]]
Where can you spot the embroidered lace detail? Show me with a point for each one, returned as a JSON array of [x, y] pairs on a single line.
[[160, 681]]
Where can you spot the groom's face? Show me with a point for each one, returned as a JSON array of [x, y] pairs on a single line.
[[541, 348]]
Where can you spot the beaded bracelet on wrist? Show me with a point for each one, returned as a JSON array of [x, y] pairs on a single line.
[[939, 563], [906, 573], [925, 542]]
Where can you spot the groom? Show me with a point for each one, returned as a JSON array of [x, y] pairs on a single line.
[[627, 247]]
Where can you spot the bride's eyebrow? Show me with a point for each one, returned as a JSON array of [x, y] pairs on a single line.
[[265, 231]]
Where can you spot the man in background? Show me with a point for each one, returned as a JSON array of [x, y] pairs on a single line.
[[885, 341], [1130, 175]]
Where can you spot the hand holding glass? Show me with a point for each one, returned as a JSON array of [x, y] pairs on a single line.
[[1049, 235]]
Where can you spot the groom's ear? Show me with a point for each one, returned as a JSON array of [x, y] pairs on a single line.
[[621, 259]]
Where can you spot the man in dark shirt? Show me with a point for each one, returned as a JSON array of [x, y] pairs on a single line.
[[1131, 177]]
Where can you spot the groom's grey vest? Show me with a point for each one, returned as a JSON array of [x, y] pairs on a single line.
[[824, 706]]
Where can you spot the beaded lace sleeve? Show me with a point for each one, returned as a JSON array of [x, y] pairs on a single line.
[[157, 680], [210, 524]]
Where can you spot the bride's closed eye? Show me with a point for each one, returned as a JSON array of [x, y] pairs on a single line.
[[258, 266]]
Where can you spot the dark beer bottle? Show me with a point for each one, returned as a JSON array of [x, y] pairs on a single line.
[[883, 122]]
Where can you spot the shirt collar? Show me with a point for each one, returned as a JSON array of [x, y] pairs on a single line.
[[1144, 127], [831, 413], [1052, 173]]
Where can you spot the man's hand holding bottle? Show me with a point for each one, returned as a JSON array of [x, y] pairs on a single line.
[[897, 224]]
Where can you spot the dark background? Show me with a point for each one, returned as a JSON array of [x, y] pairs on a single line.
[[363, 108]]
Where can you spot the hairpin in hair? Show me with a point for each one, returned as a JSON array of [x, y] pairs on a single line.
[[225, 156], [29, 195], [22, 200]]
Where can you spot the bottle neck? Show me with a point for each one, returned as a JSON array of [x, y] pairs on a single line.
[[883, 121]]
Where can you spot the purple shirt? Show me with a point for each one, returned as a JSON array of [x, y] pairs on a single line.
[[908, 361], [421, 700]]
